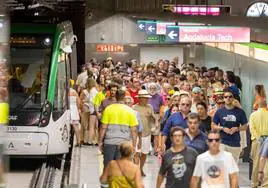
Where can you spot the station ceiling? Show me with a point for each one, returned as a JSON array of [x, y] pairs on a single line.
[[58, 5], [96, 10]]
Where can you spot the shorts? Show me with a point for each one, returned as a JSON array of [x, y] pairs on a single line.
[[145, 145], [75, 122]]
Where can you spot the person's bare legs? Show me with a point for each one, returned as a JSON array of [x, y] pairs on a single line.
[[156, 140], [77, 133], [96, 139], [84, 128], [142, 162], [137, 158], [92, 128]]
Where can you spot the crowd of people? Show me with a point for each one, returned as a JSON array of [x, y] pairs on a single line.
[[190, 117]]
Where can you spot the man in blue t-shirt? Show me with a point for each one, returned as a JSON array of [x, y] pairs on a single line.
[[176, 119], [230, 120]]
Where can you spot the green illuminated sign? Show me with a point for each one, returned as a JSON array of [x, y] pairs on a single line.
[[152, 38]]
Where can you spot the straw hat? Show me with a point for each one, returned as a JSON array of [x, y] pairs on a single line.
[[143, 94]]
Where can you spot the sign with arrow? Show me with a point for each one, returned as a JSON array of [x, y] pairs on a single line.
[[172, 34], [150, 28], [141, 25]]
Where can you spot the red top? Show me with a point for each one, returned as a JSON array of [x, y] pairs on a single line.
[[133, 95]]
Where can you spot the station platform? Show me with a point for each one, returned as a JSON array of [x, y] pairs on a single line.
[[87, 166]]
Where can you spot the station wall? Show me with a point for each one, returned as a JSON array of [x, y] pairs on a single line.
[[155, 53], [251, 71], [116, 29]]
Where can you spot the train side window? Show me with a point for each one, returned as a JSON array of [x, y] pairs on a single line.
[[60, 101]]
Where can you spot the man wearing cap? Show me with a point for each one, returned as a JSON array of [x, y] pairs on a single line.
[[196, 95], [147, 115]]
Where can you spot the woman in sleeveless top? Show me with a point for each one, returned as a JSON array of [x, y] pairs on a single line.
[[123, 173], [74, 111], [88, 119], [93, 129]]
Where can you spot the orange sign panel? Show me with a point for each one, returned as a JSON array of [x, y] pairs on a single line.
[[110, 48]]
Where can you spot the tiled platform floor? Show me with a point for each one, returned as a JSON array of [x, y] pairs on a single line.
[[91, 167]]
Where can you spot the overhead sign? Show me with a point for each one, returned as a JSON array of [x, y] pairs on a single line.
[[141, 25], [172, 34], [214, 34], [150, 28], [109, 48], [152, 39], [161, 27], [198, 10]]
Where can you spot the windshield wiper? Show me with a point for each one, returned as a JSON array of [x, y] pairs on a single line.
[[24, 102]]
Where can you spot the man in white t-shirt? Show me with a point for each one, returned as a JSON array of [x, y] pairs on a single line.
[[215, 168]]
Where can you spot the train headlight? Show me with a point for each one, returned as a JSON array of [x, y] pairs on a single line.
[[47, 41], [45, 114]]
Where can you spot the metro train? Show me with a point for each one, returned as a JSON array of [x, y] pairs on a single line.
[[42, 57]]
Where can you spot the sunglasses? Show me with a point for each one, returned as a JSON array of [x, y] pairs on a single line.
[[229, 96], [185, 104], [211, 140]]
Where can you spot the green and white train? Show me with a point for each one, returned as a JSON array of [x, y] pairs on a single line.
[[42, 59]]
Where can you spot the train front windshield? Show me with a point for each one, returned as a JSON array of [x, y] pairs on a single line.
[[29, 69]]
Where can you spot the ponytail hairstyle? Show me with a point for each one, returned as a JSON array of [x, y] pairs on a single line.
[[260, 90]]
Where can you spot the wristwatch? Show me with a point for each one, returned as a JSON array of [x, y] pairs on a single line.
[[260, 172]]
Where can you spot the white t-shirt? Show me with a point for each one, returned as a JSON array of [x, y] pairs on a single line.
[[214, 170], [89, 98]]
